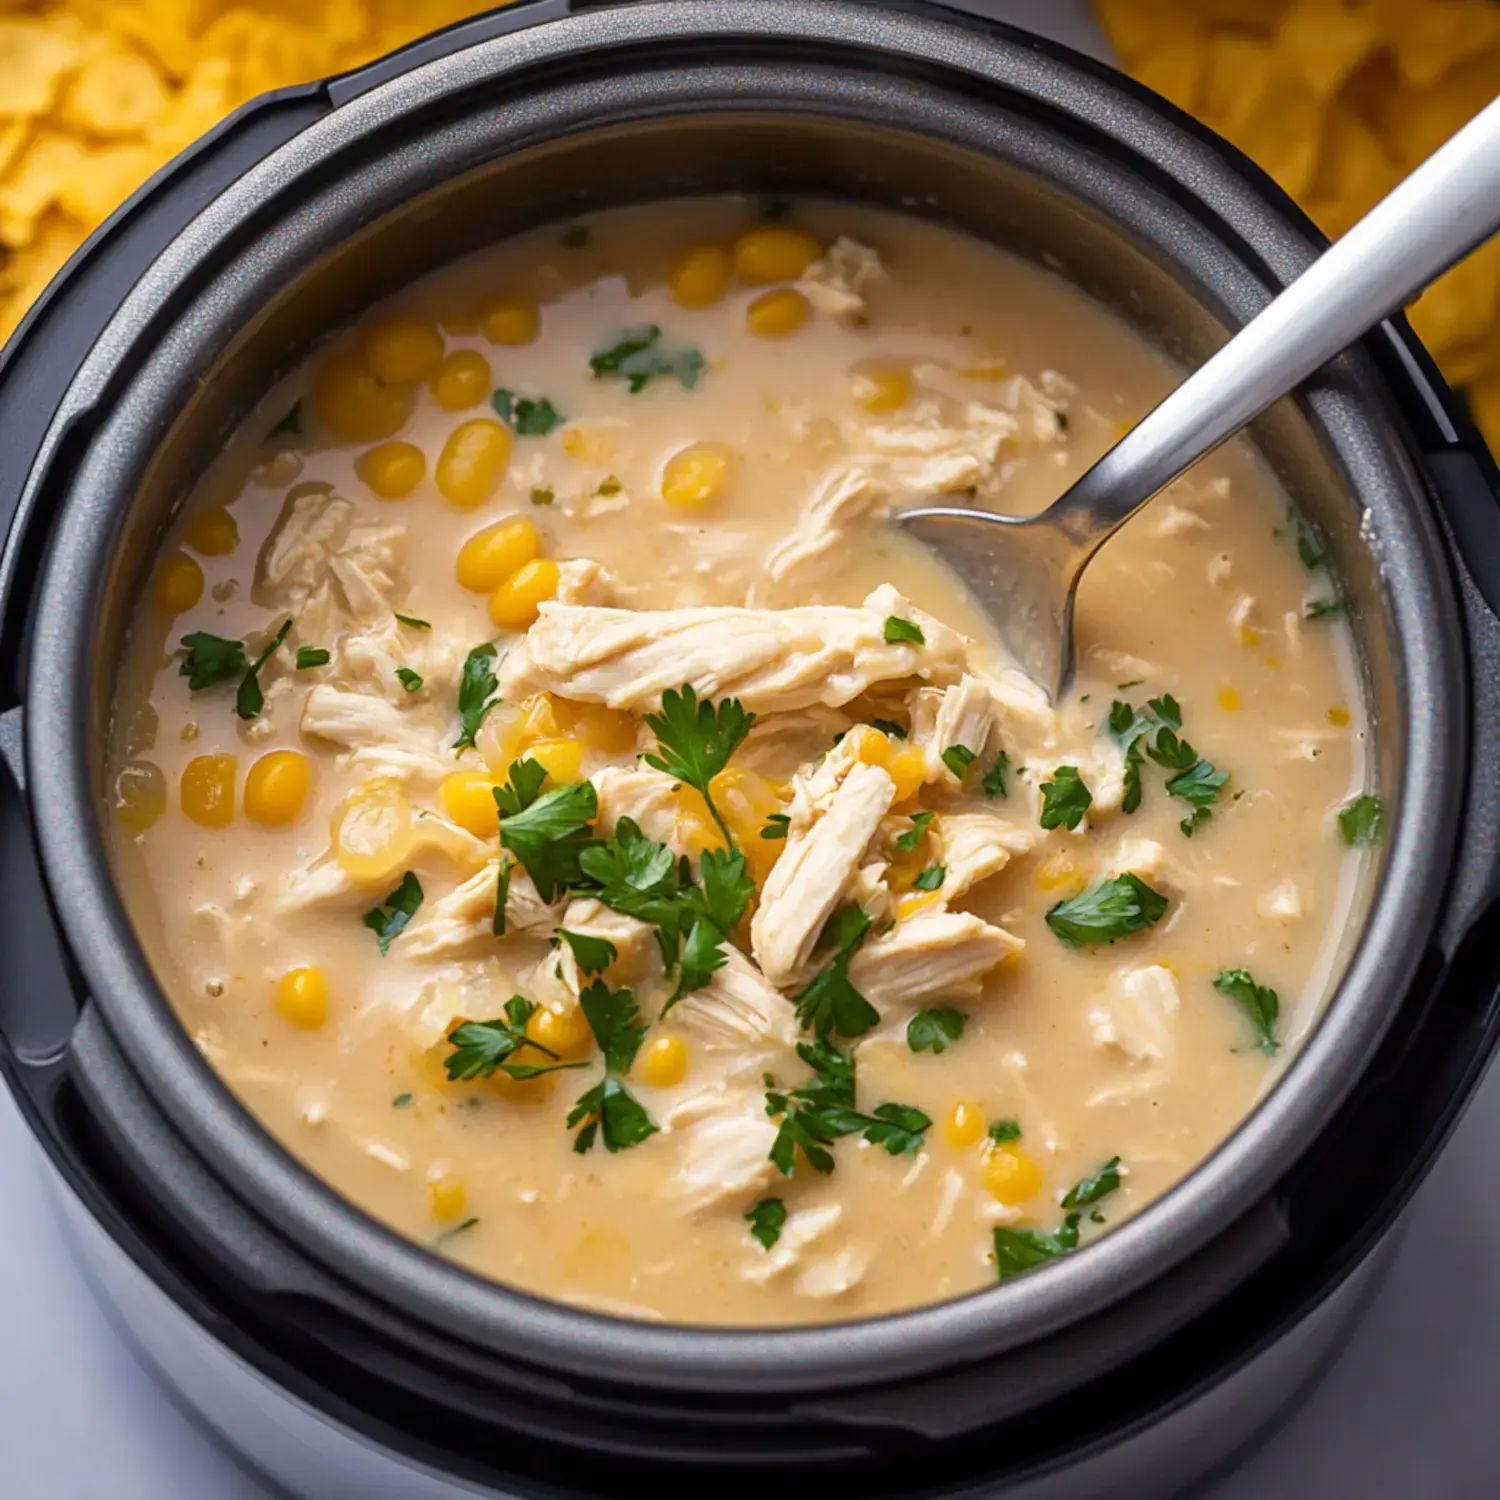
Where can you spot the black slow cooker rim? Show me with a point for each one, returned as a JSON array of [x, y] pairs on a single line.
[[550, 1334]]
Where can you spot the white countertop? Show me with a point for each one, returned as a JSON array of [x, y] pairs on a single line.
[[1407, 1412]]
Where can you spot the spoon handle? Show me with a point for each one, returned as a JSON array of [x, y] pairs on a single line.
[[1449, 205]]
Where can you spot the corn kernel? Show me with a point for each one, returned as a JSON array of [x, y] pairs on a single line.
[[516, 603], [512, 321], [1338, 716], [663, 1061], [1056, 871], [462, 380], [1229, 699], [208, 790], [561, 759], [607, 731], [372, 831], [302, 998], [1272, 661], [1249, 637], [701, 275], [468, 799], [140, 794], [449, 1197], [178, 584], [695, 475], [1011, 1176], [965, 1125], [402, 352], [908, 905], [774, 315], [589, 445], [211, 532], [882, 390], [774, 252], [496, 553], [354, 406], [473, 461], [277, 787], [566, 1033], [392, 470], [904, 764]]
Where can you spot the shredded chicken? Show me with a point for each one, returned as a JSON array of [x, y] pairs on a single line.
[[724, 1156], [836, 284], [933, 953], [975, 846], [773, 661], [803, 1227], [848, 499], [464, 918], [737, 1009], [581, 580], [1137, 1013], [962, 715], [648, 797], [362, 721], [1283, 903]]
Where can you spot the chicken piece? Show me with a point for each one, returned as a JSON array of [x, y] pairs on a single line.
[[1143, 857], [847, 499], [869, 891], [1137, 1013], [464, 918], [1176, 520], [933, 953], [367, 660], [975, 846], [803, 1227], [363, 721], [402, 763], [580, 580], [964, 714], [931, 459], [833, 1275], [1283, 903], [829, 832], [321, 882], [725, 1154], [634, 943], [1103, 773], [324, 565], [646, 796], [736, 1009], [772, 660], [836, 283]]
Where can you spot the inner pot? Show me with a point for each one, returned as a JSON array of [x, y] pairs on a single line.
[[752, 97]]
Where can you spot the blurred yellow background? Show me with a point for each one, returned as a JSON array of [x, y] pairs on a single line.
[[1334, 98]]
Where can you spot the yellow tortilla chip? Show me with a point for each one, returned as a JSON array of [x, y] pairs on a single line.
[[1430, 37], [1462, 304], [1484, 403], [1423, 119], [265, 52], [1136, 30], [13, 138], [204, 101], [35, 184], [1353, 175], [1266, 108], [113, 173], [34, 57], [1177, 72], [116, 93], [1326, 41], [32, 268]]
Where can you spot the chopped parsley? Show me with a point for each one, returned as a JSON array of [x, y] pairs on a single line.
[[695, 740], [477, 693], [1019, 1250], [1360, 820], [1155, 731], [546, 831], [593, 954], [482, 1048], [1098, 1185], [1109, 910], [908, 841], [502, 894], [1322, 609], [766, 1220], [574, 237], [993, 783], [638, 357], [890, 728], [401, 1101], [831, 1004], [931, 878], [1121, 687], [411, 681], [414, 622], [819, 1112], [776, 826], [1065, 799], [898, 631], [291, 424], [1260, 1004], [455, 1232], [609, 1110], [1002, 1131], [527, 416], [211, 660], [311, 656], [934, 1030], [958, 759], [1194, 821], [609, 485], [1307, 544], [542, 494], [388, 920]]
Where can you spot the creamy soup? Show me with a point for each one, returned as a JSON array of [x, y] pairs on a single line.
[[938, 981]]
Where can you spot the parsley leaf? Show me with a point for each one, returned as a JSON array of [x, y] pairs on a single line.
[[727, 889], [388, 920], [402, 1101], [527, 416], [890, 729], [897, 1127], [831, 1004], [696, 740], [414, 622], [766, 1220], [1002, 1131], [1018, 1250], [1259, 1003], [994, 779], [637, 357], [1106, 911], [523, 785], [616, 1114], [702, 957], [1360, 820], [1156, 731], [1194, 821], [934, 1030], [249, 700], [548, 834], [931, 878], [543, 494], [311, 656], [411, 681], [210, 660], [958, 759], [480, 1048], [594, 954], [1131, 800], [907, 842], [1199, 785], [777, 826], [476, 693], [452, 1234], [1307, 545], [898, 631], [1096, 1186], [502, 895], [1065, 799], [615, 1022], [1322, 609]]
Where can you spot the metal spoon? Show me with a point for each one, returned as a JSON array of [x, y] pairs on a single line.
[[1025, 570]]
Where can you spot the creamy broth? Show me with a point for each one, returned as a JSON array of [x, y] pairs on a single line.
[[948, 368]]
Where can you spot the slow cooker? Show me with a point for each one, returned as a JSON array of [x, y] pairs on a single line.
[[342, 1360]]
